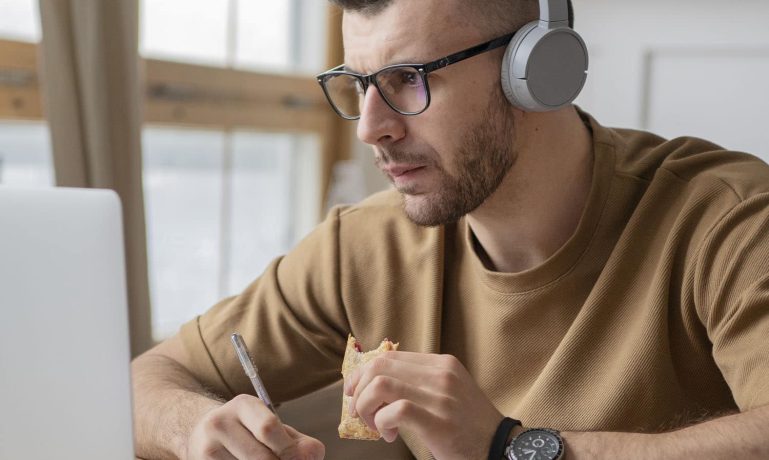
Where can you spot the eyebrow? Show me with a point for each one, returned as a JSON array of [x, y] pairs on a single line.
[[398, 62]]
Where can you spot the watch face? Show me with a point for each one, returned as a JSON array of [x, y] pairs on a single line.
[[536, 445]]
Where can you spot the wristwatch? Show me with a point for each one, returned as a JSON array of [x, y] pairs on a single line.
[[535, 444]]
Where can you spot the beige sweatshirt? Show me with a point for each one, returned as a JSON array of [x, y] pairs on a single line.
[[653, 315]]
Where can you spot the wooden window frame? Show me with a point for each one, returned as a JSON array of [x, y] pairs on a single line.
[[205, 97]]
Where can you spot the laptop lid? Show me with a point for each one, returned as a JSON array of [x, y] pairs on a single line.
[[64, 346]]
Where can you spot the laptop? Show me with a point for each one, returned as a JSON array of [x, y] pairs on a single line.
[[65, 388]]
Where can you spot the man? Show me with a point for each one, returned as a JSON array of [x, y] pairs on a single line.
[[605, 283]]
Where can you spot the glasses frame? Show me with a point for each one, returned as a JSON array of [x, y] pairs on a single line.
[[422, 69]]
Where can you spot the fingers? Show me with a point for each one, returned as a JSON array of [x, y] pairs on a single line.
[[263, 424], [408, 380], [434, 372], [306, 446], [282, 440], [218, 452], [384, 390], [433, 396], [245, 428], [221, 436], [390, 365], [240, 443], [419, 366], [424, 359], [402, 414]]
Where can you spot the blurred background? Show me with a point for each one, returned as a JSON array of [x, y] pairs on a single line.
[[237, 155]]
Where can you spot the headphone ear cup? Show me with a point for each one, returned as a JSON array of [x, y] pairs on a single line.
[[507, 62], [544, 69]]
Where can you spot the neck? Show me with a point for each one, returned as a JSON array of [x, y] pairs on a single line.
[[538, 205]]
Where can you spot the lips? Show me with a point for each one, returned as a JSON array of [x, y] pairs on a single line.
[[399, 170]]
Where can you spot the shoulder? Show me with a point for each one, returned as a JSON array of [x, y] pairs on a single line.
[[373, 229], [388, 202], [694, 162], [379, 223]]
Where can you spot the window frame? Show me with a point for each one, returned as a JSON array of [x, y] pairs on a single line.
[[206, 97]]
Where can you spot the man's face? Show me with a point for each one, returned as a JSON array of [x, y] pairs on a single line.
[[449, 159]]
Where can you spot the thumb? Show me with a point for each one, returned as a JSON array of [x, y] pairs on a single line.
[[305, 447]]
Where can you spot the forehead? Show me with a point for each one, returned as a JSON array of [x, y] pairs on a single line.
[[407, 31]]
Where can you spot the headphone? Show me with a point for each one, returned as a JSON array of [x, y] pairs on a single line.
[[545, 64]]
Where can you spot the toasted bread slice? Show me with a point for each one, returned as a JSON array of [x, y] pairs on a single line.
[[354, 357]]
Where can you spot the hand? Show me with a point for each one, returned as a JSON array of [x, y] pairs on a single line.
[[432, 396], [244, 428]]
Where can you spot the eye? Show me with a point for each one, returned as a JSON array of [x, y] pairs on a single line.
[[409, 77], [359, 88]]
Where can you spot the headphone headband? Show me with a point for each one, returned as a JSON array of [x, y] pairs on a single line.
[[553, 11]]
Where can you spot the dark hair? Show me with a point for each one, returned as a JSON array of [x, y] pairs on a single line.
[[373, 7]]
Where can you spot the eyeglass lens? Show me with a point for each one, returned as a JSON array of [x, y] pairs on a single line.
[[402, 87]]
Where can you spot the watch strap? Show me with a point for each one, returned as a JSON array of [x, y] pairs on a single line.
[[499, 442]]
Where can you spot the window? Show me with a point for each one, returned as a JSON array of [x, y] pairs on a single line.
[[20, 20], [25, 150], [220, 206], [182, 194], [277, 35], [273, 180], [184, 30], [282, 35], [238, 141], [236, 182], [25, 154]]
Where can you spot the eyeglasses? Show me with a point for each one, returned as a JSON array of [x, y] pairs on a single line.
[[403, 87]]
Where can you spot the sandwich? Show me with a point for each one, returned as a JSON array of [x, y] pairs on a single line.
[[354, 427]]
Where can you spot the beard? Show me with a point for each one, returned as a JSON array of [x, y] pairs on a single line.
[[481, 163]]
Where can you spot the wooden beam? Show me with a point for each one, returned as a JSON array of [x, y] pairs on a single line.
[[188, 82], [204, 97], [235, 115], [20, 103], [19, 86], [193, 95], [18, 55], [337, 140], [186, 94]]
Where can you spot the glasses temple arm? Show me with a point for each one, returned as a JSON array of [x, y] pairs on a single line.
[[468, 53]]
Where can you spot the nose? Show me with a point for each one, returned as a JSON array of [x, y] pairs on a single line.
[[379, 124]]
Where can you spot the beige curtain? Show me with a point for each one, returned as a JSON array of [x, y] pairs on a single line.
[[92, 99]]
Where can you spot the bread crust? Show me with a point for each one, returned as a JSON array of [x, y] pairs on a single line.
[[354, 427]]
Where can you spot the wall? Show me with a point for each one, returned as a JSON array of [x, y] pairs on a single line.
[[684, 67]]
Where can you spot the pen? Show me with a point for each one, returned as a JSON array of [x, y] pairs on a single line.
[[251, 372]]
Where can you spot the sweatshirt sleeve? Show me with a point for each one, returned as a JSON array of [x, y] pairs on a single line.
[[732, 298]]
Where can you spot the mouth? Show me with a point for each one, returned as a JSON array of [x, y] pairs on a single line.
[[407, 178], [398, 171]]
